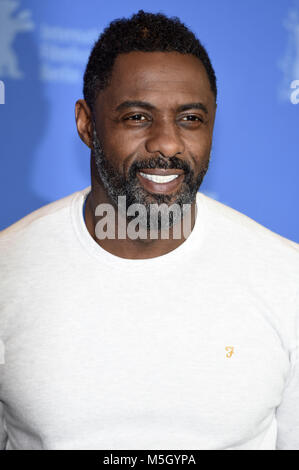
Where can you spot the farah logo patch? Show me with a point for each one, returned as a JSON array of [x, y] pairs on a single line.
[[230, 350]]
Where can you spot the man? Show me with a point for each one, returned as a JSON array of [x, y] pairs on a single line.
[[125, 342]]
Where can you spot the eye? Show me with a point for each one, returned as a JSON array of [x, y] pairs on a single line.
[[136, 117], [192, 118]]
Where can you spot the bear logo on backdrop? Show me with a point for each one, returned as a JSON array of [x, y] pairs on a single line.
[[10, 25]]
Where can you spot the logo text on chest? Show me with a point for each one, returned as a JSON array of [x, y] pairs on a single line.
[[230, 350]]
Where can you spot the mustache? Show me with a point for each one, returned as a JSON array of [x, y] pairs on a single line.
[[169, 163], [166, 163]]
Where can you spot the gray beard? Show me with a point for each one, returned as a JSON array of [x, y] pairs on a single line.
[[117, 185]]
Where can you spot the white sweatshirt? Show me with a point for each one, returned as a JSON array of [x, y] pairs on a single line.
[[195, 349]]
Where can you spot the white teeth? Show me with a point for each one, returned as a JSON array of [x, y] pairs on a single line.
[[159, 178]]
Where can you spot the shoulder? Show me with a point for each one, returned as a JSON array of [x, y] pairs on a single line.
[[41, 223], [237, 225], [257, 254]]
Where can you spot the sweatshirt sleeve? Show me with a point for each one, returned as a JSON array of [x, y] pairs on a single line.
[[287, 414], [3, 434]]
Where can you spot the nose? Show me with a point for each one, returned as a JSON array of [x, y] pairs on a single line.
[[165, 139]]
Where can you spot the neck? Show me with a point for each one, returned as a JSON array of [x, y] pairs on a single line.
[[126, 247]]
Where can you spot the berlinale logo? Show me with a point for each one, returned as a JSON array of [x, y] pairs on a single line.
[[295, 94], [10, 25], [289, 64], [2, 92]]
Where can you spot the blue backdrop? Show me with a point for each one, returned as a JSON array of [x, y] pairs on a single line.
[[254, 47]]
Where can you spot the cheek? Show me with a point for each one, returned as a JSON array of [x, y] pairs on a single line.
[[114, 144], [122, 149], [200, 151], [122, 152]]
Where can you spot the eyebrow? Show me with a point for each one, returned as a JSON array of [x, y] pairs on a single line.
[[151, 107]]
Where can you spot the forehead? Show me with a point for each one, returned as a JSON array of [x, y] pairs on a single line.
[[155, 76]]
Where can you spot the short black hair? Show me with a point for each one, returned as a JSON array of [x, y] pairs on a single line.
[[145, 32]]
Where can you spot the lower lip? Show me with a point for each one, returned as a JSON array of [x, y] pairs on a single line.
[[162, 188]]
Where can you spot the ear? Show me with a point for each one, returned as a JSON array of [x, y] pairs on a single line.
[[83, 116]]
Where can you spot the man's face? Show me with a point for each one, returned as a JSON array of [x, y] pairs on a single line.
[[153, 129]]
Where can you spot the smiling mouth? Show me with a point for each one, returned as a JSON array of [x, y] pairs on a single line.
[[159, 180]]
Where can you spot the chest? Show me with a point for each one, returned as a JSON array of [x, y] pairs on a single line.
[[189, 366]]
